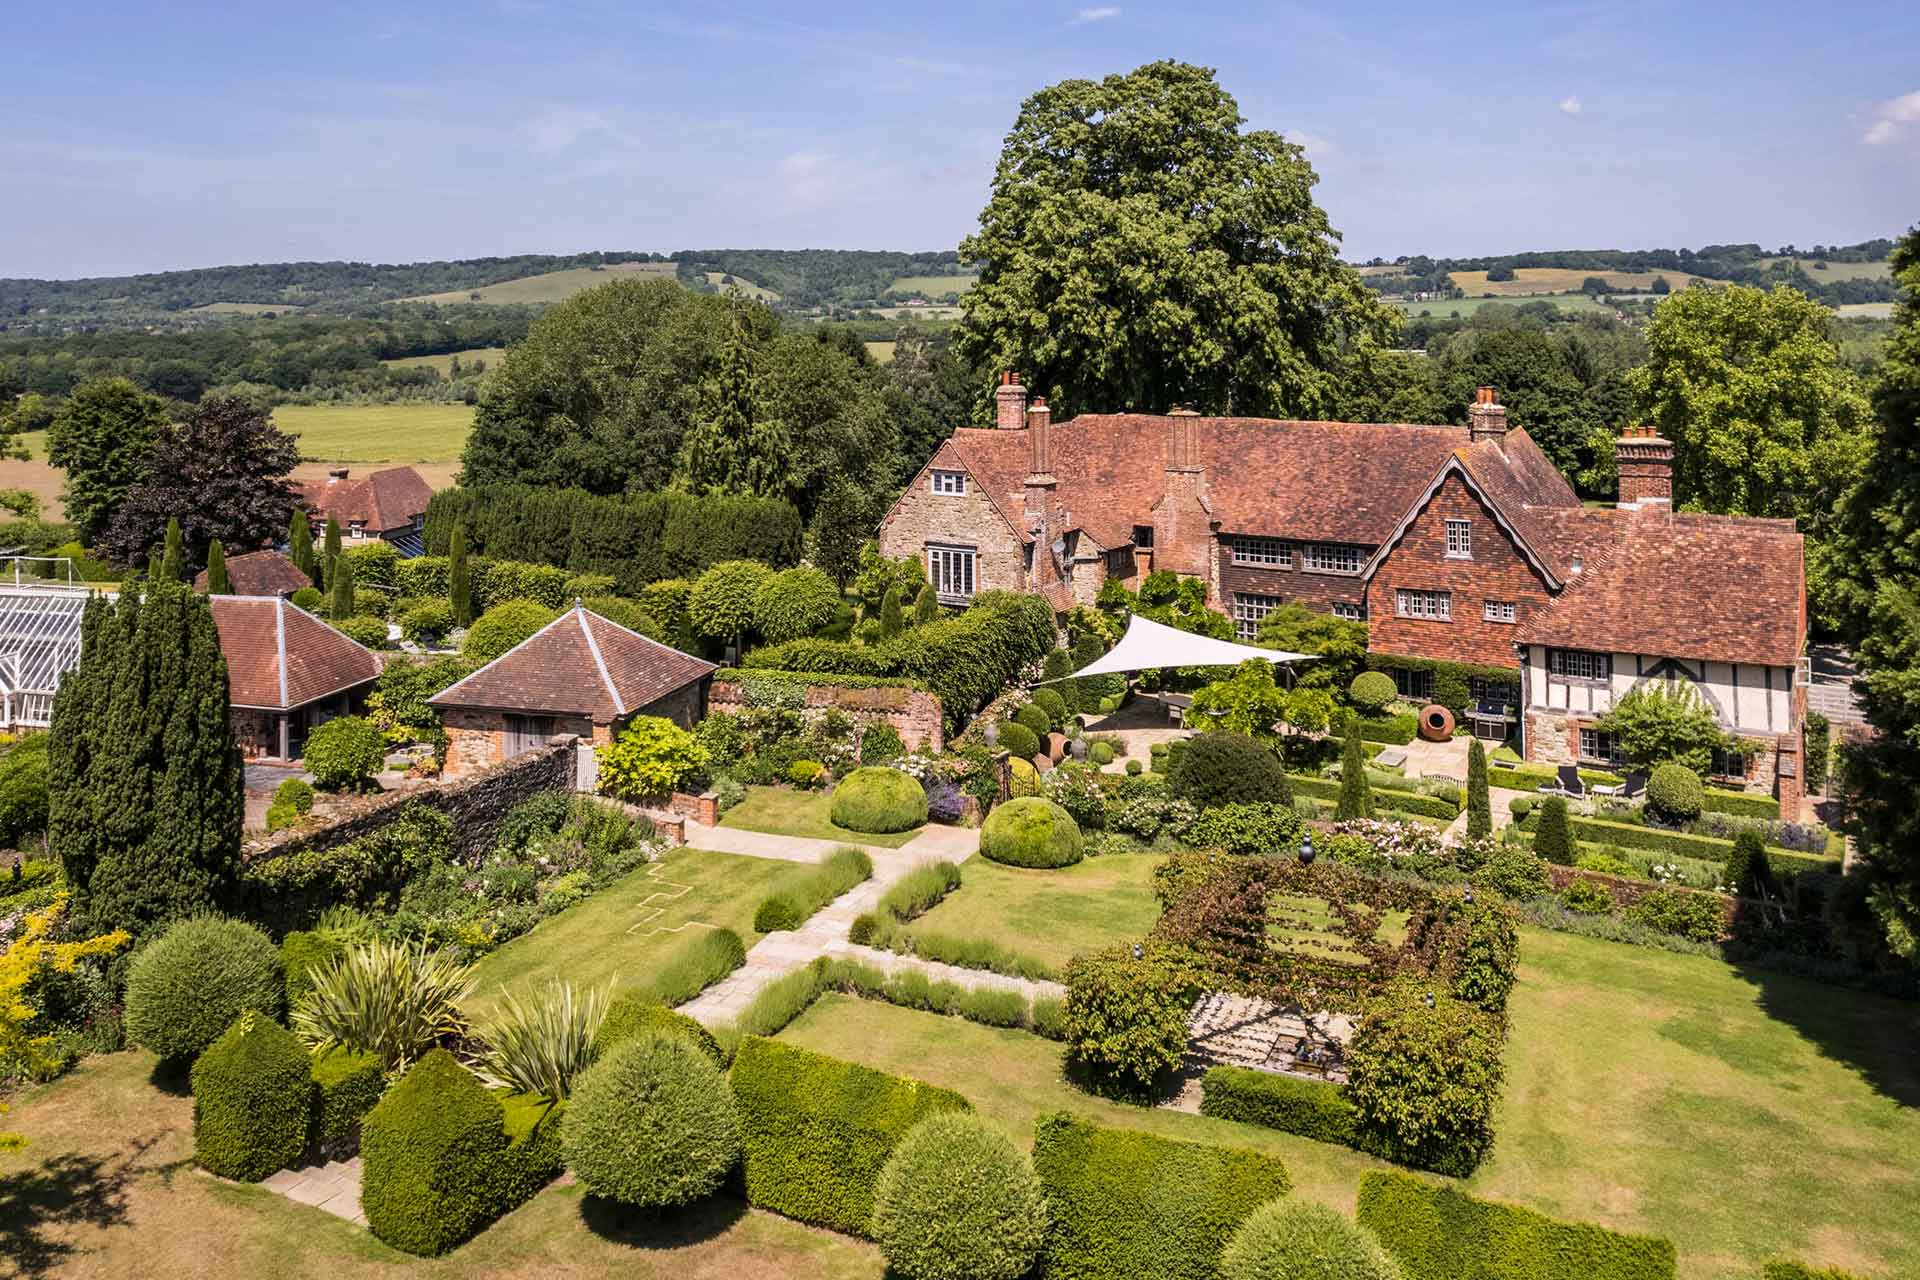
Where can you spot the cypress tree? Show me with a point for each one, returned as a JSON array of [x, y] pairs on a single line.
[[891, 623], [1356, 799], [173, 564], [1479, 799], [342, 576], [300, 543], [1553, 841], [330, 552], [217, 584], [79, 714], [155, 561], [925, 607], [457, 585]]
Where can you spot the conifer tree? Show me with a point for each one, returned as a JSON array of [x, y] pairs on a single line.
[[217, 584], [1552, 840], [173, 563], [926, 608], [458, 586], [1356, 798], [330, 551], [342, 585], [891, 623], [155, 563], [300, 543], [1479, 799], [713, 455]]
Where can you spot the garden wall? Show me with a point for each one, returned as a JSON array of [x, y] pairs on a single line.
[[476, 803], [914, 713]]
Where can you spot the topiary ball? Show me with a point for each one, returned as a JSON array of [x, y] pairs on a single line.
[[345, 752], [1034, 718], [1674, 793], [1133, 768], [652, 1124], [502, 627], [1294, 1239], [1050, 701], [364, 630], [1031, 832], [1101, 753], [1372, 691], [1213, 769], [190, 984], [630, 1017], [1019, 741], [958, 1201], [250, 1100], [879, 800]]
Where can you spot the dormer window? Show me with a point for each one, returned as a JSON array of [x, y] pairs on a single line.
[[953, 484]]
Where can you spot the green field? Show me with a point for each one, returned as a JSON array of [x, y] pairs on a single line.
[[746, 287], [1529, 281], [882, 352], [1445, 307], [934, 286], [551, 286], [243, 308], [920, 313], [378, 432], [1837, 271], [779, 811], [1865, 310], [443, 362]]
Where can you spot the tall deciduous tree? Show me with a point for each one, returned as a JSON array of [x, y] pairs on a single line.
[[102, 437], [222, 472], [145, 794], [1764, 418], [1140, 250]]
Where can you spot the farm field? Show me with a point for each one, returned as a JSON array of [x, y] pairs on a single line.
[[882, 352], [758, 293], [243, 308], [1445, 307], [550, 286], [1836, 271], [377, 433], [1535, 280], [933, 286], [1865, 310], [919, 313], [444, 361]]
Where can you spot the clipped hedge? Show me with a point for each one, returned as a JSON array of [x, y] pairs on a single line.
[[880, 800], [1632, 835], [1316, 1109], [1439, 1233], [190, 984], [1786, 1269], [250, 1091], [1395, 731], [651, 1124], [630, 1016], [958, 1201], [1031, 832], [818, 1131], [1295, 1239], [1385, 799], [442, 1157], [301, 954], [804, 891], [1135, 1205], [346, 1086]]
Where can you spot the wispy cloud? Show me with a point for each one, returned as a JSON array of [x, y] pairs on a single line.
[[1890, 119], [1100, 13], [1312, 143], [1570, 105]]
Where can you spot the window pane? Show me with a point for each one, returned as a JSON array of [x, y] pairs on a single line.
[[1269, 551]]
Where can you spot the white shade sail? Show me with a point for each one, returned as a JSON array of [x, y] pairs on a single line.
[[1150, 644]]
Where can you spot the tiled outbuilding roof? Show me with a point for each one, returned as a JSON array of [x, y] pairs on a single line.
[[1678, 584], [280, 657], [260, 573], [579, 664], [382, 501]]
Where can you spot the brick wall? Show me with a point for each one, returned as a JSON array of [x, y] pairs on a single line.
[[1318, 591], [913, 713], [476, 804], [1419, 561], [477, 739], [968, 520]]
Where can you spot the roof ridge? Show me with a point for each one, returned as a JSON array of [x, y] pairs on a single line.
[[593, 647], [280, 645]]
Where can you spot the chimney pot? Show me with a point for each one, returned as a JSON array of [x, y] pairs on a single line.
[[1040, 436], [336, 474], [1646, 468], [1010, 402], [1486, 417]]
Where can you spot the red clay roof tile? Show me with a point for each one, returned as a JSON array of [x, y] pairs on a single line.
[[578, 664], [280, 657]]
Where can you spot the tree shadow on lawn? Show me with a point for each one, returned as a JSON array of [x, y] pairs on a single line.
[[1874, 1034], [173, 1076], [662, 1228], [65, 1190]]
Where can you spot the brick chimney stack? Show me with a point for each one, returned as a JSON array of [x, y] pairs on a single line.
[[1010, 403], [1646, 468], [1040, 436], [1183, 441], [1486, 417]]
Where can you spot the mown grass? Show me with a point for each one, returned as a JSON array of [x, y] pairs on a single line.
[[382, 433], [1743, 1116], [779, 811], [1051, 916]]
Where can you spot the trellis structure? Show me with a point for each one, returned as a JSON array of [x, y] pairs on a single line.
[[39, 641]]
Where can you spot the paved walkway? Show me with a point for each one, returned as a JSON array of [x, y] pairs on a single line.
[[334, 1187], [779, 954]]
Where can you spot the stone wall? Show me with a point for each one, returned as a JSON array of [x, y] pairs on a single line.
[[913, 713], [476, 804], [923, 518]]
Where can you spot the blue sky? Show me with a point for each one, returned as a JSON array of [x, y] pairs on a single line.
[[139, 136]]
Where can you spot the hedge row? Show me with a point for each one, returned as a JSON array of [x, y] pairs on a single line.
[[1452, 681], [1631, 835], [1438, 1233], [1529, 777], [441, 1157], [1126, 1203], [1395, 731], [635, 540], [1316, 1109], [261, 1100], [1384, 798], [733, 675], [967, 660], [818, 1131]]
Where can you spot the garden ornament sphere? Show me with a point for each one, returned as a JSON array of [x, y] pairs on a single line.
[[1307, 854], [1429, 999], [1136, 951]]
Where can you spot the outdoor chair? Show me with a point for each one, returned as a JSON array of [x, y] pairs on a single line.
[[1567, 784]]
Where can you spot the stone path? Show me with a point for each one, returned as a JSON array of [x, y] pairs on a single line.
[[972, 979], [334, 1187], [779, 954]]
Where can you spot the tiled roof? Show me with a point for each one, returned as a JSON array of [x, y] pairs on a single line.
[[280, 657], [578, 664], [1676, 584], [260, 573], [381, 501]]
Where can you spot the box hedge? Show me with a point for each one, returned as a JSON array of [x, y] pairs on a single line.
[[1385, 799], [1316, 1109], [1439, 1233], [630, 1015], [1128, 1205], [346, 1086], [1395, 731], [1785, 1269], [1632, 835], [442, 1157], [818, 1131], [250, 1091]]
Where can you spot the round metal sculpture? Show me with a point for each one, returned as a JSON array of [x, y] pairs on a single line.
[[1436, 723]]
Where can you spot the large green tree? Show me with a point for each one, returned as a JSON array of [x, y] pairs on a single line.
[[102, 437], [1139, 250], [144, 778], [1748, 384]]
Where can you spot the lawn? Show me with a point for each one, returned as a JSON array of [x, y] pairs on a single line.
[[747, 288], [552, 286], [1740, 1116], [106, 1188], [1052, 916], [617, 931], [778, 811], [377, 433]]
